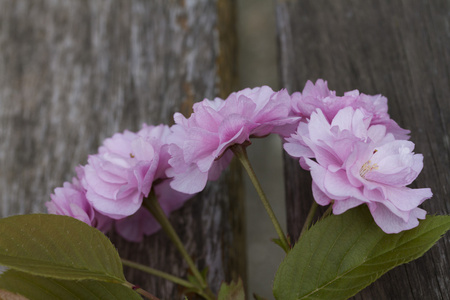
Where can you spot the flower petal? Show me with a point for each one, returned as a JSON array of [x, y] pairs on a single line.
[[390, 223]]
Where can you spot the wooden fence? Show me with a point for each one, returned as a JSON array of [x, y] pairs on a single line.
[[74, 72], [400, 49]]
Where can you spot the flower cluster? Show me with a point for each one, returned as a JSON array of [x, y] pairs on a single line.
[[200, 145], [357, 155], [110, 189], [355, 152]]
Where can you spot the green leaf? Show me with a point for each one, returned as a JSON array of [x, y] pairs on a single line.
[[343, 254], [59, 247], [44, 288], [232, 291]]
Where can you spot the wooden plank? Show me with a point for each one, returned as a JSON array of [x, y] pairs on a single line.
[[401, 50], [74, 72]]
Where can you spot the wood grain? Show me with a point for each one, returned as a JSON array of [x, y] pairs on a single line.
[[74, 72], [400, 49]]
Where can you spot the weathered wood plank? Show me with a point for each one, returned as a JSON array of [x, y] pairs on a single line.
[[401, 50], [74, 72]]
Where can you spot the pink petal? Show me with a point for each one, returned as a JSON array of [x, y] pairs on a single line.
[[101, 187], [319, 195], [190, 181], [114, 209], [233, 130], [297, 150], [407, 199], [200, 143], [317, 173], [343, 119], [342, 206], [337, 185], [142, 150], [390, 223], [319, 128]]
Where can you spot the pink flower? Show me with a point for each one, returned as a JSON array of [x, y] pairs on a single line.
[[70, 200], [358, 163], [116, 180], [123, 172], [318, 96], [200, 144], [120, 175]]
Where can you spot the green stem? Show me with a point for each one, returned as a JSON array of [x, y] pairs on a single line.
[[158, 273], [241, 154], [141, 291], [152, 204], [309, 218]]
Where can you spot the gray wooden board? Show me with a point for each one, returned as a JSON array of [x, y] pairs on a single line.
[[75, 72], [400, 49]]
